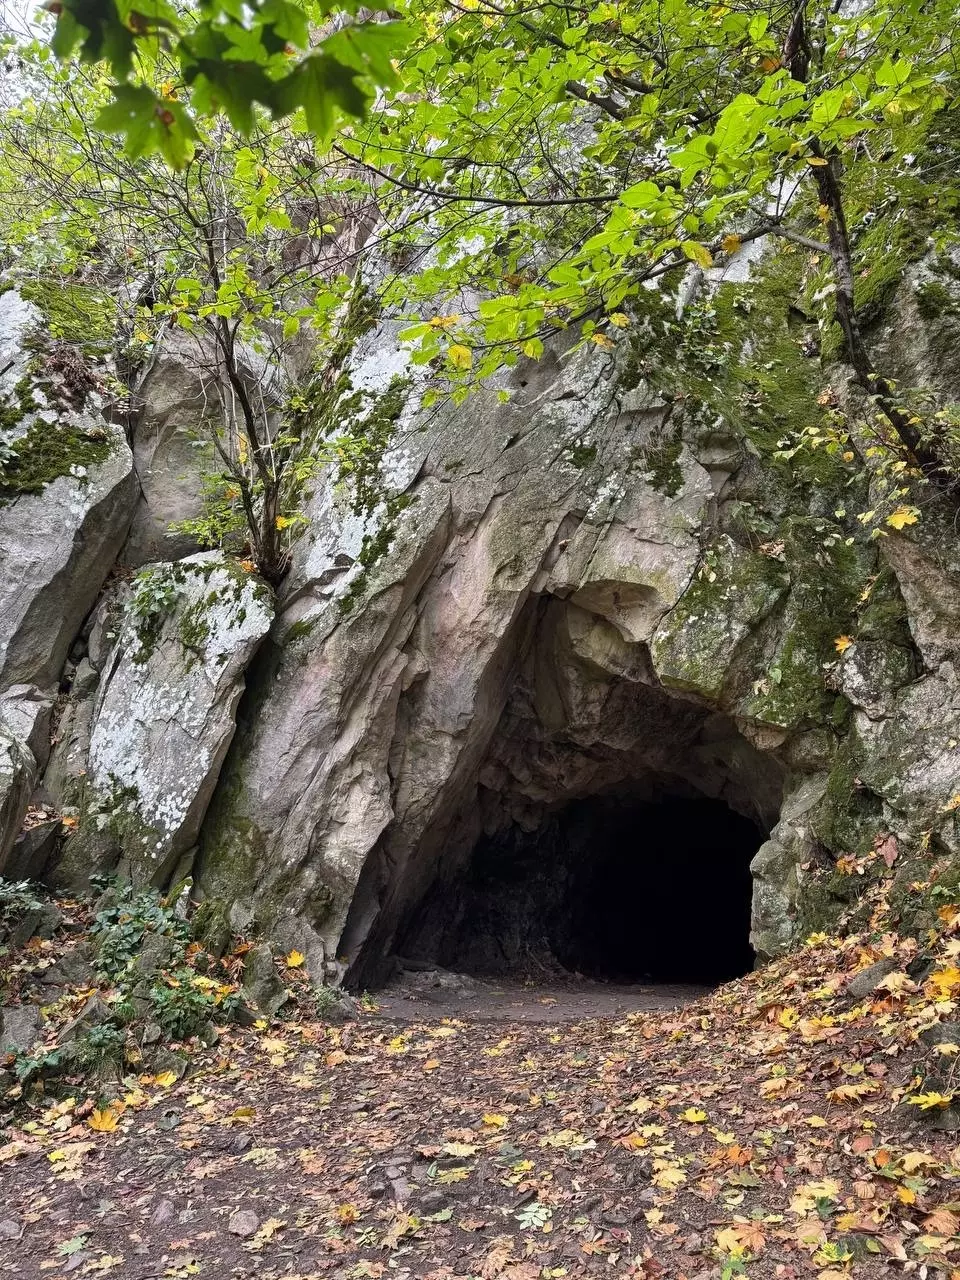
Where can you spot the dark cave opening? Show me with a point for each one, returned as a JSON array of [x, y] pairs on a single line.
[[636, 885]]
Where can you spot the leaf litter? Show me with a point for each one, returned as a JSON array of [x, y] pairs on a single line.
[[781, 1127]]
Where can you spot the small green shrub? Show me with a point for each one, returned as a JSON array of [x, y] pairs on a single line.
[[99, 1047], [122, 926], [183, 1001]]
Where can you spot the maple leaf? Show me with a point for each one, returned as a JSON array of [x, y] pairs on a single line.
[[809, 1194], [943, 983], [103, 1121], [669, 1176], [694, 1115], [930, 1100], [495, 1121], [903, 516], [72, 1246], [741, 1238], [295, 959], [854, 1091], [842, 643], [911, 1161], [640, 1105], [942, 1222], [898, 984]]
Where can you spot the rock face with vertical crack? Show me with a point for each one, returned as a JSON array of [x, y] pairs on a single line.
[[164, 714]]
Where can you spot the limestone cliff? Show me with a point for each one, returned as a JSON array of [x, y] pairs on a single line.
[[618, 575]]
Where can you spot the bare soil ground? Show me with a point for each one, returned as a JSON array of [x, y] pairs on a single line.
[[433, 991], [758, 1131]]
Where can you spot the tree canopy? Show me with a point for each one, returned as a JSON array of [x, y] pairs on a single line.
[[517, 169], [232, 56]]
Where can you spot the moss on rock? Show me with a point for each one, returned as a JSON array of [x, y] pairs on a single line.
[[45, 452], [75, 313]]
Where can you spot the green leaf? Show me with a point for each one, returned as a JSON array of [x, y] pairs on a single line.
[[325, 89]]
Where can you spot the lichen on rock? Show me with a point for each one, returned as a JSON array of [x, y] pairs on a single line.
[[165, 706]]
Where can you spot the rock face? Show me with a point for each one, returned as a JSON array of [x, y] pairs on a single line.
[[17, 775], [606, 581], [67, 491], [175, 395], [164, 711], [582, 589]]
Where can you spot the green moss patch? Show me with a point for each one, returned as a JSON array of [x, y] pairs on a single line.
[[75, 313], [44, 453]]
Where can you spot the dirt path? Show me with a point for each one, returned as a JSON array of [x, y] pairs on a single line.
[[437, 992], [662, 1145]]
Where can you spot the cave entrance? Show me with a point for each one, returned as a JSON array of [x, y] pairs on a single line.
[[640, 884]]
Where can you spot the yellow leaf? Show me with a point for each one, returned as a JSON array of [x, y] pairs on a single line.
[[842, 643], [927, 1101], [619, 319], [730, 244], [669, 1176], [443, 322], [495, 1121], [818, 162], [601, 340], [902, 516], [431, 1064], [460, 357], [694, 1115], [347, 1213], [906, 1195], [640, 1105], [816, 1122], [459, 1149], [165, 1079], [943, 983], [698, 253], [283, 521], [103, 1121], [295, 959], [269, 1229]]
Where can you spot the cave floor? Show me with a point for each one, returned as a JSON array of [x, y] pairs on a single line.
[[436, 993], [753, 1132]]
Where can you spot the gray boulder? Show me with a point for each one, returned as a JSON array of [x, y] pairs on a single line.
[[19, 1027]]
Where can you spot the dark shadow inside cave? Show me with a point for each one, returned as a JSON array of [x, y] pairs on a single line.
[[639, 884]]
